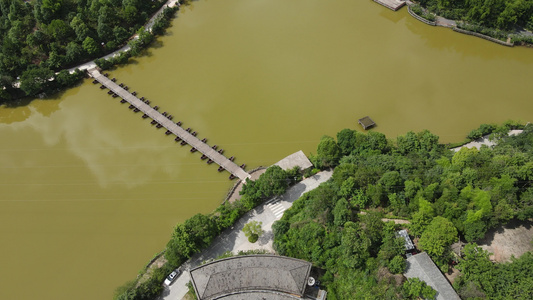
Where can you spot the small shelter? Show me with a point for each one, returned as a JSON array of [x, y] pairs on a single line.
[[298, 159], [366, 122], [408, 243]]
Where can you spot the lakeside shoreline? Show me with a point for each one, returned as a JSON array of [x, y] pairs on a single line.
[[452, 24], [83, 67], [440, 21]]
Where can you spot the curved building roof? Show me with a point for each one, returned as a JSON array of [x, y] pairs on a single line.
[[232, 277]]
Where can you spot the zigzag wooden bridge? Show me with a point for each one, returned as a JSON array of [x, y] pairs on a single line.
[[165, 120]]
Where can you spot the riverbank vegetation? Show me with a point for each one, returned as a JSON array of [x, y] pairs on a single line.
[[417, 9], [493, 131], [446, 195], [42, 37], [196, 233], [496, 18]]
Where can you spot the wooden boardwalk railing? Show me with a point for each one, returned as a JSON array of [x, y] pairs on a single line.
[[194, 142]]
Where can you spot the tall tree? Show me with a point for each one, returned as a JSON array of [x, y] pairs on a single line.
[[35, 80], [328, 152], [437, 238], [355, 245]]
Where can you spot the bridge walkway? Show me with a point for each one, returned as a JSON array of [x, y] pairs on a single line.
[[193, 141]]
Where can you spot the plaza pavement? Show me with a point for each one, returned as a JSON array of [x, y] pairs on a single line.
[[233, 239]]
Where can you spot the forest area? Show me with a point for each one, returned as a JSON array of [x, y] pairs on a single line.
[[41, 37], [500, 14], [448, 196]]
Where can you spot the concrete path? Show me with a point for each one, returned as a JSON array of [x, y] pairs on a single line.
[[441, 21], [148, 26], [233, 239], [484, 141]]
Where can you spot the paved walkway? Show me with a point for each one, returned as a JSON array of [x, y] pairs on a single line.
[[441, 21], [484, 141], [148, 26], [233, 239]]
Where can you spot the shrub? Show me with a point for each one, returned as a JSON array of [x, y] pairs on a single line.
[[253, 230], [397, 265], [103, 63], [474, 134]]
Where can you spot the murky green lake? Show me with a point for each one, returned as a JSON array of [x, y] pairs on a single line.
[[91, 191]]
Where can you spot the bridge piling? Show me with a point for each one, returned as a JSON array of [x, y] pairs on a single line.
[[163, 121]]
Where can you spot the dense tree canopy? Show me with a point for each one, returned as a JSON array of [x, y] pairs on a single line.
[[481, 278], [502, 14], [437, 238], [446, 195], [56, 34]]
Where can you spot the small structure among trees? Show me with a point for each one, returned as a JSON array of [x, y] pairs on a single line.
[[408, 243], [298, 159], [366, 122]]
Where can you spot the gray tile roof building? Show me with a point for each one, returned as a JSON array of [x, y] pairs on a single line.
[[251, 277], [422, 267], [259, 295]]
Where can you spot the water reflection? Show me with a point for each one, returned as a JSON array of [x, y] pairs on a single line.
[[262, 79], [107, 150], [468, 46]]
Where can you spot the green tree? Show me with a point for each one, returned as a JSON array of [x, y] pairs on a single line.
[[328, 152], [74, 52], [346, 139], [464, 157], [80, 28], [408, 143], [47, 10], [422, 218], [355, 245], [130, 14], [59, 30], [90, 46], [391, 247], [35, 80], [397, 265], [120, 35], [341, 213], [252, 230], [475, 224], [391, 181], [415, 288], [65, 79], [273, 182], [476, 267], [190, 237], [437, 238], [180, 247], [428, 141], [373, 228]]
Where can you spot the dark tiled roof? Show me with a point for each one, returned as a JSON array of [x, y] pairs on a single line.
[[366, 122], [240, 274], [259, 295]]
